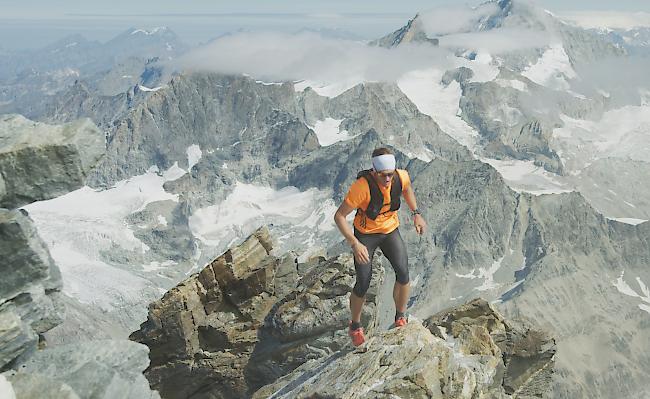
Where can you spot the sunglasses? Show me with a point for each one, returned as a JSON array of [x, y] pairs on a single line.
[[385, 175]]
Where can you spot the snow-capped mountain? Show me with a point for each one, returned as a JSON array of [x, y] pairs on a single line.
[[525, 165]]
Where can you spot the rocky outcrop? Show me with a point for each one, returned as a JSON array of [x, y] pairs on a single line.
[[248, 318], [95, 369], [39, 161], [465, 352], [29, 288], [527, 355]]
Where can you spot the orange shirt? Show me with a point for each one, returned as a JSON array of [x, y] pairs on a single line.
[[358, 197]]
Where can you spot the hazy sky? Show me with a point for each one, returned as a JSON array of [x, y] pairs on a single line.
[[35, 23]]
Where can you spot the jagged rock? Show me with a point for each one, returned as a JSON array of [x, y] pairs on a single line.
[[478, 329], [39, 161], [36, 386], [29, 288], [15, 336], [416, 362], [248, 318], [94, 369]]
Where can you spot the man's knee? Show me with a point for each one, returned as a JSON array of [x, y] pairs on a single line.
[[402, 277], [360, 288]]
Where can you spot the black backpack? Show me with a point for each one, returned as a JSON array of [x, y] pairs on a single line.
[[377, 198]]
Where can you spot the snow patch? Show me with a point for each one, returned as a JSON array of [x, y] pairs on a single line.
[[328, 132], [193, 155], [144, 88], [6, 390], [525, 176], [326, 89], [249, 206], [161, 220], [175, 172], [431, 97], [624, 288], [515, 84], [488, 275], [552, 69], [631, 221], [80, 226]]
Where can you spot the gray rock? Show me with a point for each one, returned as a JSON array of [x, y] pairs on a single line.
[[36, 386], [95, 369], [29, 291], [15, 336], [465, 352], [39, 161]]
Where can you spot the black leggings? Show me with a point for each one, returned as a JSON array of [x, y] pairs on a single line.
[[393, 247]]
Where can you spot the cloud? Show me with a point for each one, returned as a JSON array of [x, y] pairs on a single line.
[[623, 78], [607, 19], [455, 19], [282, 57], [498, 41]]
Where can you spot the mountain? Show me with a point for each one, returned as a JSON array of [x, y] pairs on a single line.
[[31, 81], [526, 170]]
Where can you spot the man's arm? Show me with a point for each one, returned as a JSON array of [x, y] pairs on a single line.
[[360, 251], [418, 220]]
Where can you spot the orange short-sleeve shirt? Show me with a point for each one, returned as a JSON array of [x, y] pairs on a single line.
[[359, 197]]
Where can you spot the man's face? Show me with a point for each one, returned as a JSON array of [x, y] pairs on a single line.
[[384, 177]]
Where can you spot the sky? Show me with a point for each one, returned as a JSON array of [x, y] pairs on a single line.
[[36, 23]]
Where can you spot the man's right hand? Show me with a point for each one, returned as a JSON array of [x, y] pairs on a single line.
[[360, 253]]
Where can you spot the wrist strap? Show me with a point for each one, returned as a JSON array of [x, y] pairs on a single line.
[[415, 212]]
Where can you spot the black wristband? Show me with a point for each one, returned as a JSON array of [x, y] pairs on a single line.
[[415, 212]]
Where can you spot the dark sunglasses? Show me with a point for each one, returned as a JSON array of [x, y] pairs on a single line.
[[386, 175]]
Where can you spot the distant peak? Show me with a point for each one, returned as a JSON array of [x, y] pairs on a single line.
[[159, 29]]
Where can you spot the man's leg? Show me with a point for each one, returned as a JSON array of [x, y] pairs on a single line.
[[394, 249], [401, 296], [364, 273]]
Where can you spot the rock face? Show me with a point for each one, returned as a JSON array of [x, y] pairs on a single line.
[[39, 161], [466, 352], [551, 258], [29, 289], [527, 355], [95, 369], [248, 318]]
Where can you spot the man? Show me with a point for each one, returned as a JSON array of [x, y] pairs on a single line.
[[376, 197]]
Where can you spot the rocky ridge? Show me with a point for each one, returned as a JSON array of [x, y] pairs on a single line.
[[247, 318], [250, 318], [40, 162]]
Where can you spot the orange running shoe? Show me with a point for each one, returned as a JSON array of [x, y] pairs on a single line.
[[401, 322], [357, 335]]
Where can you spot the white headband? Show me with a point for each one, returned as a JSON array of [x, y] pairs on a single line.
[[383, 162]]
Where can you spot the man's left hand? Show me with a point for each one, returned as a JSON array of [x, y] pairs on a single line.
[[420, 224]]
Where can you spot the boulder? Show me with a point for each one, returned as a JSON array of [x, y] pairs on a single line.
[[39, 161]]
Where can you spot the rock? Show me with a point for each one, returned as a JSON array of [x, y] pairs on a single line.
[[39, 161], [94, 370], [248, 318], [15, 336], [527, 355], [36, 386], [416, 362], [30, 287]]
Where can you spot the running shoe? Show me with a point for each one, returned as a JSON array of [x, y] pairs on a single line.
[[357, 335]]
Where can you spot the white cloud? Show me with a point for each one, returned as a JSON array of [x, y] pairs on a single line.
[[497, 41], [457, 19], [607, 19], [306, 56]]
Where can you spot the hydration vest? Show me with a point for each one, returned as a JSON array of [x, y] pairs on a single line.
[[377, 198]]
